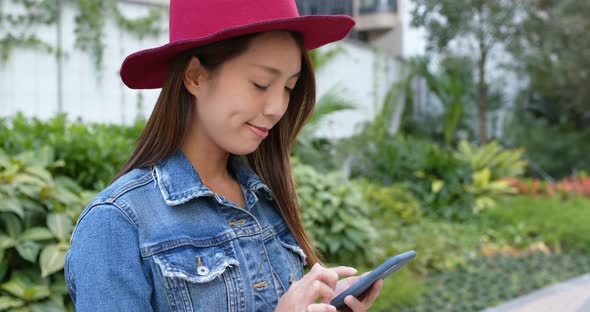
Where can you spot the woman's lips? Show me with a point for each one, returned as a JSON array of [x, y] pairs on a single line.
[[259, 131]]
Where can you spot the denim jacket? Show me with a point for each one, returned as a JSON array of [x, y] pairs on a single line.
[[158, 239]]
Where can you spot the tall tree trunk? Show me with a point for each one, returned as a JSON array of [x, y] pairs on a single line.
[[483, 133]]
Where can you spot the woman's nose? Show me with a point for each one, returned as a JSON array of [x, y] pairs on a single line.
[[276, 104]]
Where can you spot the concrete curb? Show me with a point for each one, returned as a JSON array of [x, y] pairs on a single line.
[[569, 296]]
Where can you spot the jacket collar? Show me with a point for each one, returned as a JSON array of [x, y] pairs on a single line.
[[179, 182]]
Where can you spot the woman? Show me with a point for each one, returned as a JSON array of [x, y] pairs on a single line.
[[204, 217]]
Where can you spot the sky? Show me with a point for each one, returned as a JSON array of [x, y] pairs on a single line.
[[414, 42]]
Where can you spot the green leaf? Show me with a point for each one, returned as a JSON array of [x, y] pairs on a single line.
[[15, 287], [33, 206], [52, 260], [45, 157], [36, 234], [37, 292], [4, 159], [60, 224], [337, 226], [49, 306], [40, 172], [9, 302], [12, 205], [64, 195], [31, 191], [24, 180], [29, 250], [6, 242], [12, 225]]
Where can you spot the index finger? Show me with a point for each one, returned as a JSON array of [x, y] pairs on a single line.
[[344, 270]]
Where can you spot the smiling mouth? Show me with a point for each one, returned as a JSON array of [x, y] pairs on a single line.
[[261, 132]]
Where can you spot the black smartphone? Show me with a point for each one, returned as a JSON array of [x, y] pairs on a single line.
[[381, 272]]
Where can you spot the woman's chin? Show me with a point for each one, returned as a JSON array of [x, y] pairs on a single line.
[[244, 149]]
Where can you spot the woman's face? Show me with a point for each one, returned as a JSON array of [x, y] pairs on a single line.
[[240, 102]]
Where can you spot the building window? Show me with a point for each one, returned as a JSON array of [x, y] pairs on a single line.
[[374, 6], [310, 7]]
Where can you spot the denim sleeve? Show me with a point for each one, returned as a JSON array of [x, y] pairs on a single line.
[[104, 269]]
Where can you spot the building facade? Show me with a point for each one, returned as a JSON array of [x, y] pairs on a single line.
[[379, 22]]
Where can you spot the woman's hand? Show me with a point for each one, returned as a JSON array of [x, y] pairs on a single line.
[[366, 299], [318, 282]]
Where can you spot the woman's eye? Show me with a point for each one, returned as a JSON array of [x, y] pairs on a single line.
[[260, 87]]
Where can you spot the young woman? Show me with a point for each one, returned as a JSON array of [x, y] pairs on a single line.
[[204, 217]]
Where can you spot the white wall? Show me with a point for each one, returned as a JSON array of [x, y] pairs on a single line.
[[365, 76], [28, 81]]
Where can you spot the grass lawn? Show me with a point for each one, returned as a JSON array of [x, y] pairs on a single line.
[[520, 220]]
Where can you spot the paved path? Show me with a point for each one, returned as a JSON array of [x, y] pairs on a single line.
[[568, 296]]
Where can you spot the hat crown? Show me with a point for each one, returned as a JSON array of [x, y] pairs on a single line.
[[199, 18]]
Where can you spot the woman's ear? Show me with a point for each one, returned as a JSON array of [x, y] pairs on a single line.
[[194, 76]]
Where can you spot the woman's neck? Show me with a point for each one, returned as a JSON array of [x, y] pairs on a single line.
[[208, 160]]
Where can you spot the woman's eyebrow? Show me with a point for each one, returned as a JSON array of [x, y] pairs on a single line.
[[274, 71]]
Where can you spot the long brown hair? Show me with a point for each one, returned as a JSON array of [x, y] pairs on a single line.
[[169, 122]]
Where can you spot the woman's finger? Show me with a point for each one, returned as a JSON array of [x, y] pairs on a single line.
[[320, 307], [322, 290], [344, 270], [373, 293], [318, 272], [329, 276], [354, 304]]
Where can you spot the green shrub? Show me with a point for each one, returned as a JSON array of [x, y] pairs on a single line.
[[394, 159], [490, 164], [440, 246], [450, 184], [37, 213], [558, 150], [390, 208], [433, 174], [440, 184], [334, 214], [391, 203], [94, 153], [501, 162]]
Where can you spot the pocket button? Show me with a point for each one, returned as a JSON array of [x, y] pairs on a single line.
[[202, 270]]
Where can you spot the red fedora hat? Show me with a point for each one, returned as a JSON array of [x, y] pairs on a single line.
[[198, 22]]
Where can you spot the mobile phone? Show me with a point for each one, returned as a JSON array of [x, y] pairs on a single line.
[[381, 272]]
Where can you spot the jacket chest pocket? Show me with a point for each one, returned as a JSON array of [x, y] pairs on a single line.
[[201, 278]]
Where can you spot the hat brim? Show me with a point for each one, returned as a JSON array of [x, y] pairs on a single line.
[[147, 69]]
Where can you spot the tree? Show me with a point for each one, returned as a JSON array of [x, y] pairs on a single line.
[[553, 49], [484, 25]]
